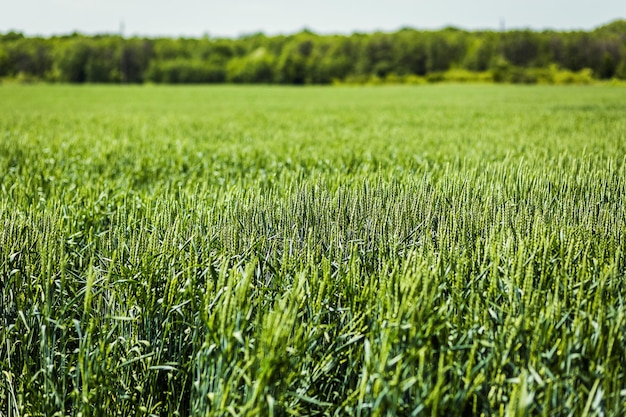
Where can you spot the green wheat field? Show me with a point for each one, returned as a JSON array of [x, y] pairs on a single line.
[[441, 250]]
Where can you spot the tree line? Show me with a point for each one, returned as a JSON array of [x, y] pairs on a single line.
[[408, 55]]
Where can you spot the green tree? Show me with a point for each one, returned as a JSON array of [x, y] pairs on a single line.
[[521, 48], [185, 71], [72, 60], [410, 53], [4, 61], [135, 58], [480, 52], [377, 55], [293, 61], [257, 67], [103, 63], [332, 59]]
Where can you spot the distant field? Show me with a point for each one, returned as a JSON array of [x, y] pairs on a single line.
[[439, 250]]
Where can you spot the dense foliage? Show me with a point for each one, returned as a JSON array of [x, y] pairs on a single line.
[[407, 56], [278, 251]]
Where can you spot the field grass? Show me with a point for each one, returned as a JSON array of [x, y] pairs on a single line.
[[438, 250]]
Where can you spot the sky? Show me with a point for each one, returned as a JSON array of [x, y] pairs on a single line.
[[233, 18]]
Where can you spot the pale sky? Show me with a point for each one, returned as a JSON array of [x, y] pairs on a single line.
[[232, 18]]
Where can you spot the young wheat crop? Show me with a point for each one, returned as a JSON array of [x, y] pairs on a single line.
[[441, 250]]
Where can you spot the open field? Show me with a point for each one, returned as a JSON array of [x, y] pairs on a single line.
[[438, 250]]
